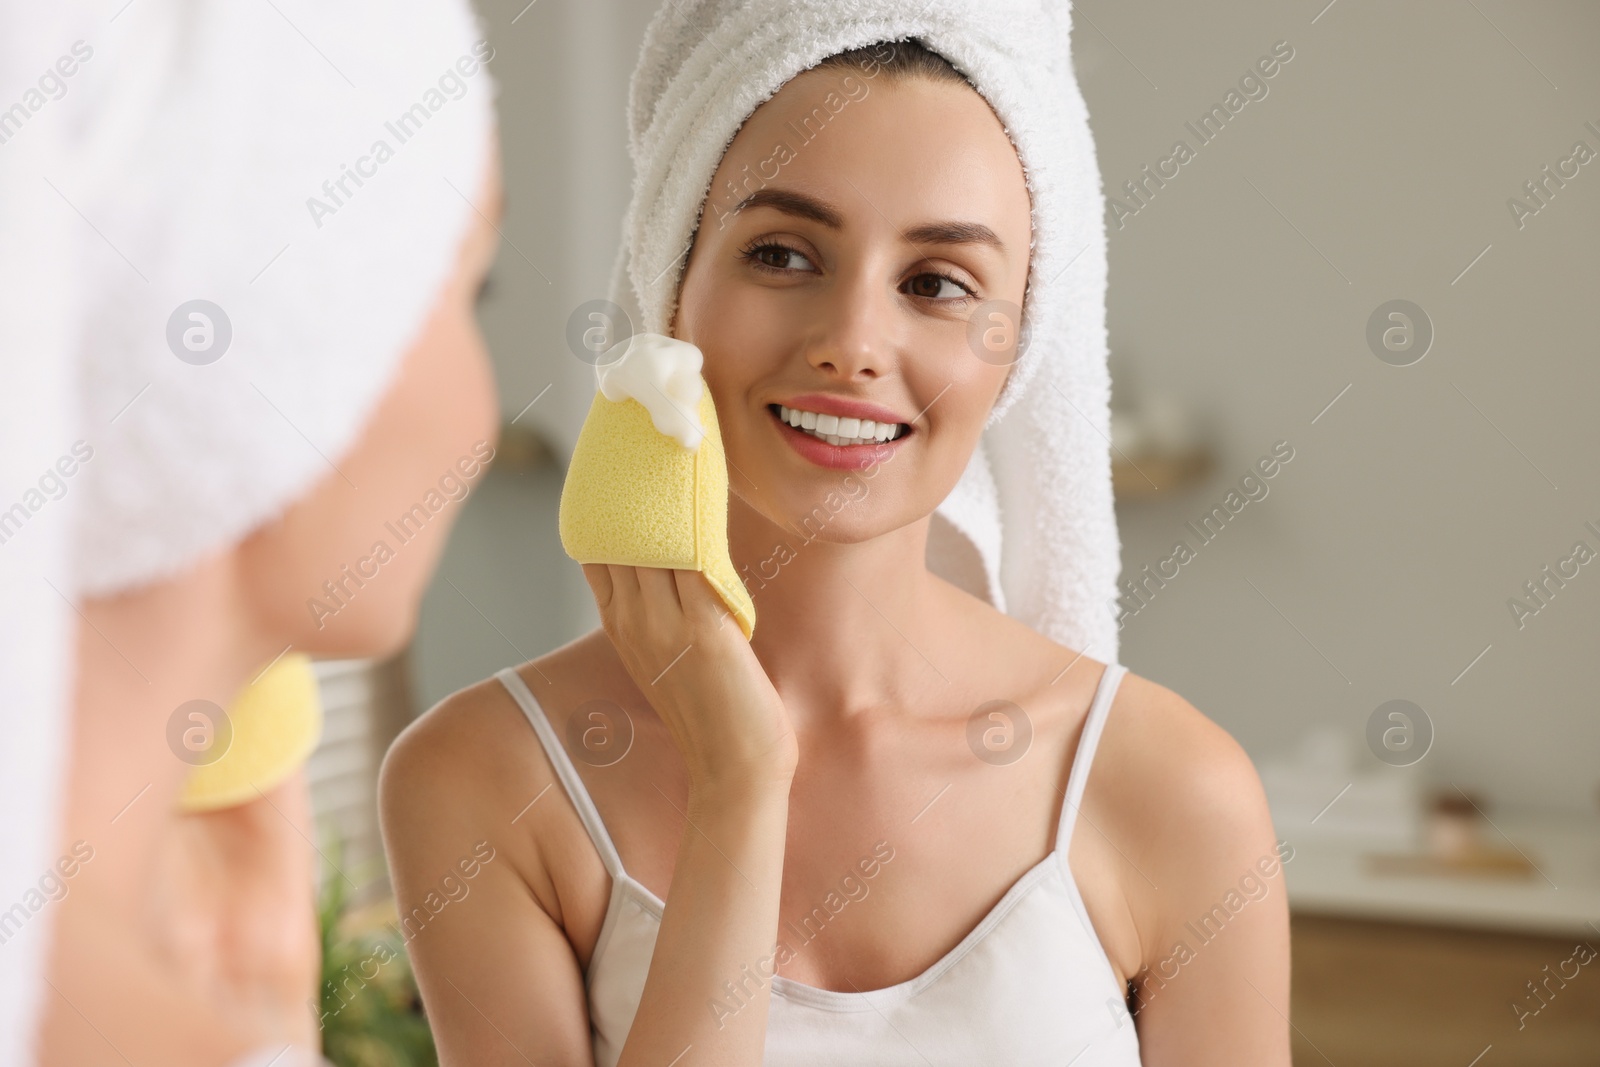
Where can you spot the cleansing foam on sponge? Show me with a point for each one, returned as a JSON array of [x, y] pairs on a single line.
[[648, 481]]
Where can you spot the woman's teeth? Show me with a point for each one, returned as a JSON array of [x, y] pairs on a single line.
[[840, 431]]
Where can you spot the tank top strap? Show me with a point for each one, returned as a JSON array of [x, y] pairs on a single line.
[[1078, 778], [570, 781]]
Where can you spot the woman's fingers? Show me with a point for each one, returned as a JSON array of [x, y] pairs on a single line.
[[659, 592], [723, 712], [653, 588], [644, 596], [624, 583], [598, 575], [624, 605], [700, 601]]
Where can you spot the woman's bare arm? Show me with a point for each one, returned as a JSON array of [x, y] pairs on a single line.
[[720, 925], [1208, 897], [499, 980], [498, 975]]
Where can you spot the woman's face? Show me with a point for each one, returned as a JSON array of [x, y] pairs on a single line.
[[855, 274], [316, 576]]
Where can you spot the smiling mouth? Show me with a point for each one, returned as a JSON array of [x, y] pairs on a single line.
[[839, 431]]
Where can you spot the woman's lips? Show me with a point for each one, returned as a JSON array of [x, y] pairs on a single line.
[[837, 457]]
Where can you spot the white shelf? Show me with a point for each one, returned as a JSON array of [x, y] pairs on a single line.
[[1328, 876]]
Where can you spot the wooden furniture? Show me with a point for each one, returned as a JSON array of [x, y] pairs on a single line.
[[1417, 970], [1366, 993]]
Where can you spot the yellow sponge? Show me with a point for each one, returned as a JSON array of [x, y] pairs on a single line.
[[276, 723], [634, 496]]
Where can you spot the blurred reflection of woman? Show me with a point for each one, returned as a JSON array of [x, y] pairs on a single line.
[[808, 847], [246, 390]]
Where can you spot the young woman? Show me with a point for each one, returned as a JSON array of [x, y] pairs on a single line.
[[710, 850]]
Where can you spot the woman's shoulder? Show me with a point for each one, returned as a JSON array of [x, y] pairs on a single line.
[[1158, 741], [473, 760], [1181, 799], [475, 750], [468, 728], [1155, 746], [481, 728], [454, 760]]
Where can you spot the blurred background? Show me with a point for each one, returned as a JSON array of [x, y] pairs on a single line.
[[1378, 267]]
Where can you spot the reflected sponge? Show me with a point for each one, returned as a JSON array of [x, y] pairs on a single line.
[[275, 723], [636, 494]]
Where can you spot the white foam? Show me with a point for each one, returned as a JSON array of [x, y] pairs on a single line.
[[663, 374]]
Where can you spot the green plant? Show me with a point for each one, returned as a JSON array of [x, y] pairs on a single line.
[[369, 1007]]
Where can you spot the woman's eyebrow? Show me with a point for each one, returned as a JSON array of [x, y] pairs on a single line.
[[954, 233], [806, 206], [793, 203]]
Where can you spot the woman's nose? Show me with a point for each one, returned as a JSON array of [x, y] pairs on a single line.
[[853, 338]]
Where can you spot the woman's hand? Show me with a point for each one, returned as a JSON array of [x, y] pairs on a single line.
[[696, 668], [203, 947], [237, 911]]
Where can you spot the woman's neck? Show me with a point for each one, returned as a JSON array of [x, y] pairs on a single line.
[[840, 628]]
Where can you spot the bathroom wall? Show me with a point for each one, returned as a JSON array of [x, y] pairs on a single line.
[[1374, 164]]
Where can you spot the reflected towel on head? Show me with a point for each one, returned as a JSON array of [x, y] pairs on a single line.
[[286, 217]]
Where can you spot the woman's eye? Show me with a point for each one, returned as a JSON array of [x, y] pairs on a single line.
[[781, 259], [777, 257], [928, 285]]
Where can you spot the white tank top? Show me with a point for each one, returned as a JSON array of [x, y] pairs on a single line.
[[1029, 985]]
